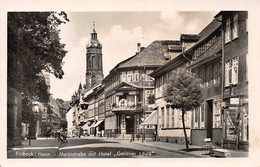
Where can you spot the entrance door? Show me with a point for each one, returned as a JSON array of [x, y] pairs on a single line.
[[209, 118], [129, 119]]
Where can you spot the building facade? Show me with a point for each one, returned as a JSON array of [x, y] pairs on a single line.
[[129, 90], [169, 124], [207, 120], [219, 59], [235, 83]]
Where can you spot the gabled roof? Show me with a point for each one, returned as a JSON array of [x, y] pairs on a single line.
[[152, 55], [126, 85], [209, 29], [204, 34]]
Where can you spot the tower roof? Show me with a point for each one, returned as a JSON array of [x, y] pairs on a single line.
[[94, 41], [80, 87]]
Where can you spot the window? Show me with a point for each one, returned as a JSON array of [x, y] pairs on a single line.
[[123, 76], [235, 70], [202, 76], [196, 114], [231, 28], [216, 73], [168, 117], [136, 76], [161, 85], [228, 73], [209, 75], [217, 116], [150, 96], [231, 71], [130, 76], [157, 87], [235, 26], [228, 31], [162, 117], [202, 113], [173, 118]]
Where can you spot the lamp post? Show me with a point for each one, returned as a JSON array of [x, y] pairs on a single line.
[[143, 130], [30, 127]]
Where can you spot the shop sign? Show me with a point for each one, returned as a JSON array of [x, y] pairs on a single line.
[[234, 100]]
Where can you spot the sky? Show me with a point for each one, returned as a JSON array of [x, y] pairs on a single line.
[[119, 33]]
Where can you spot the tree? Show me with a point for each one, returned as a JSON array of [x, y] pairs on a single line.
[[33, 46], [183, 92]]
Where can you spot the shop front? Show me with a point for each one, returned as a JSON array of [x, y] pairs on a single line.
[[236, 123]]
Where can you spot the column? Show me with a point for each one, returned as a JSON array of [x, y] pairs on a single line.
[[118, 124], [117, 100]]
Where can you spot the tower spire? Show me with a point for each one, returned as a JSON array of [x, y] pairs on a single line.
[[94, 26]]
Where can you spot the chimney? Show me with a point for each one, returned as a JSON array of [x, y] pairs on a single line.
[[138, 47]]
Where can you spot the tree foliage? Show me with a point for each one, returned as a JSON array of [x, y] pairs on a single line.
[[34, 46], [183, 90]]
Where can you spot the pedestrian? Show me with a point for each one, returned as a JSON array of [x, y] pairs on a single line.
[[155, 134], [58, 134], [79, 132], [63, 136]]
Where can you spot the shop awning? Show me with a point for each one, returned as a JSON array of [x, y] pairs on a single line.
[[85, 126], [151, 119], [93, 125], [98, 123]]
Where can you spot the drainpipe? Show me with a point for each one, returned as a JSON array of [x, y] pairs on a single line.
[[224, 117], [223, 81], [143, 135]]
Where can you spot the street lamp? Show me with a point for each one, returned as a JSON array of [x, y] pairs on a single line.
[[143, 130]]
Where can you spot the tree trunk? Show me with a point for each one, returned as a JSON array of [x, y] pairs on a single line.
[[184, 129]]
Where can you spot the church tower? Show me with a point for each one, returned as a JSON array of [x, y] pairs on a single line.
[[94, 71]]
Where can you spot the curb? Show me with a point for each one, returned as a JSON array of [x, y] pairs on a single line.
[[56, 153], [175, 151]]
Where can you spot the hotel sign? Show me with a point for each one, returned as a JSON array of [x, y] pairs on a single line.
[[234, 100]]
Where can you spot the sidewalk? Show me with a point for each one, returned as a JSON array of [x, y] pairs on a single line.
[[195, 151], [38, 149]]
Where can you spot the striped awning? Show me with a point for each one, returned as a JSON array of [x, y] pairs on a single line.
[[151, 119]]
